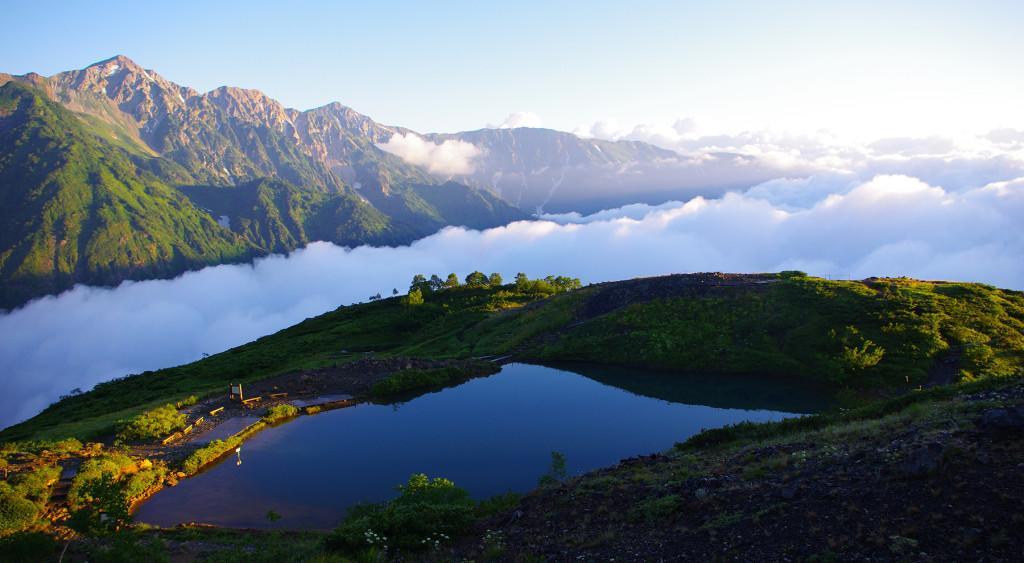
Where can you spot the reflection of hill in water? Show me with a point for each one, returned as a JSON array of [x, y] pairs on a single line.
[[749, 392]]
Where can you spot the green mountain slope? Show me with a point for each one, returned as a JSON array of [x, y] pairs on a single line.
[[79, 210], [279, 178], [877, 337]]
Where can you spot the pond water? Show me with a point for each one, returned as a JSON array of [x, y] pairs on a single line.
[[488, 435]]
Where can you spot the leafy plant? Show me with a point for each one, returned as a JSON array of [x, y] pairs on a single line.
[[153, 424], [427, 512], [556, 471], [281, 412]]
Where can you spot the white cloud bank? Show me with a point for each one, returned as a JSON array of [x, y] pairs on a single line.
[[450, 158], [890, 225]]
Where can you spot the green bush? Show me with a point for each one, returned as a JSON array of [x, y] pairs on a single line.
[[16, 511], [278, 413], [24, 496], [153, 424], [427, 510], [137, 484], [111, 465], [107, 508], [208, 453], [34, 484], [186, 402], [36, 447]]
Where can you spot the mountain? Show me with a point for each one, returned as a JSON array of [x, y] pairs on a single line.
[[78, 209], [113, 172], [543, 170]]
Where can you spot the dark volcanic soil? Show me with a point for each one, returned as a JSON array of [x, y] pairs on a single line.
[[938, 483]]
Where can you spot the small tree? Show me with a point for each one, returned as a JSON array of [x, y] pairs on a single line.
[[419, 281], [495, 279], [476, 279], [556, 471], [522, 282], [452, 281], [436, 283], [414, 298], [394, 291]]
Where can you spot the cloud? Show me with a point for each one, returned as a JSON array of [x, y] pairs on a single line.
[[519, 119], [449, 158], [888, 225]]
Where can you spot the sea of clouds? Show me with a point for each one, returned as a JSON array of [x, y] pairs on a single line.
[[833, 224]]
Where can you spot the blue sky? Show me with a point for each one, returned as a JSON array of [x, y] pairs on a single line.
[[863, 69]]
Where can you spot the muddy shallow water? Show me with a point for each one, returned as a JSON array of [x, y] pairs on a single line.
[[489, 435]]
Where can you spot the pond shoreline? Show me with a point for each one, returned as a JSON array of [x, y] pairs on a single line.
[[577, 401]]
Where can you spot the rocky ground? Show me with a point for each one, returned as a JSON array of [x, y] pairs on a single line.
[[938, 481]]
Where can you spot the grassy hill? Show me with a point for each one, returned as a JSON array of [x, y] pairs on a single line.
[[876, 336]]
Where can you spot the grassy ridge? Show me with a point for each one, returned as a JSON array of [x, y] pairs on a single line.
[[882, 334], [448, 325]]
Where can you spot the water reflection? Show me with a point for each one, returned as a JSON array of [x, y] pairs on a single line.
[[489, 435]]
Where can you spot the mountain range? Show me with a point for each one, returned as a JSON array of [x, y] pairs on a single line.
[[113, 172]]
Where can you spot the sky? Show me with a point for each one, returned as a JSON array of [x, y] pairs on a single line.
[[863, 70]]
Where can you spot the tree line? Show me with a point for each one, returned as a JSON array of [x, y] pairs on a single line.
[[550, 285]]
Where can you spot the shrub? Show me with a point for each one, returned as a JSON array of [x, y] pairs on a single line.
[[556, 471], [16, 511], [278, 413], [153, 424], [426, 511], [111, 465], [208, 453], [186, 402], [36, 447], [34, 484], [107, 509]]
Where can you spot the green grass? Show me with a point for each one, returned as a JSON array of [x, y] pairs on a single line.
[[747, 432], [882, 334], [153, 424]]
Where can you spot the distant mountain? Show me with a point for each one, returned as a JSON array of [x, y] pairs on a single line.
[[542, 170], [113, 172]]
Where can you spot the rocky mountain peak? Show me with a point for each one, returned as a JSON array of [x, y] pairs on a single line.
[[140, 93], [251, 106]]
